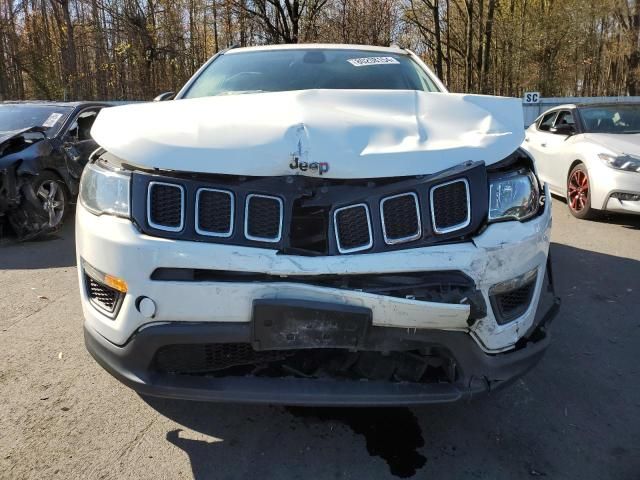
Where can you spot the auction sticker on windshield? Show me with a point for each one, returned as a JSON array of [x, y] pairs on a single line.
[[51, 121], [363, 62]]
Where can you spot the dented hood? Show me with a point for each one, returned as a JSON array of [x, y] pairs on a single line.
[[353, 133]]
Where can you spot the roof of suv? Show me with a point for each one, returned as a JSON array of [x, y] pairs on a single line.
[[320, 46]]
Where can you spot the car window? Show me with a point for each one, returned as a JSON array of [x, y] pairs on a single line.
[[616, 119], [547, 121], [80, 129], [303, 69], [564, 118], [19, 116]]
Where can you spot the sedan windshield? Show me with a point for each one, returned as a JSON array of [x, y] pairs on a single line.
[[303, 69], [17, 117], [611, 119]]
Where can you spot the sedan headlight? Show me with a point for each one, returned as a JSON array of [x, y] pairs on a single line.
[[621, 162], [513, 195], [105, 191]]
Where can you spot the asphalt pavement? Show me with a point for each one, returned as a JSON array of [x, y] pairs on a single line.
[[576, 416]]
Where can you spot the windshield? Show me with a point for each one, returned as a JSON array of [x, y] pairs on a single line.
[[18, 117], [303, 69], [611, 119]]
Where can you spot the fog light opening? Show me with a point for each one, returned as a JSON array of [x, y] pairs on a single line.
[[626, 197], [511, 299], [105, 292], [146, 307]]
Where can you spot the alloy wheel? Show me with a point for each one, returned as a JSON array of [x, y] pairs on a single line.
[[578, 190], [52, 198]]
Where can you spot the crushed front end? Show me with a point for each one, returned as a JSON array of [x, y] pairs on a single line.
[[305, 290]]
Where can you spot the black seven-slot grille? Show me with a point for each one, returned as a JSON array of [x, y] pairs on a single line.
[[348, 216], [214, 212], [263, 218], [400, 218], [165, 206], [353, 228], [450, 209]]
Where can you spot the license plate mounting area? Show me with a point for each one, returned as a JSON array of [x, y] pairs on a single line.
[[280, 324]]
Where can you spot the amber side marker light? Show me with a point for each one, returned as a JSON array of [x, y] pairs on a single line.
[[116, 283], [112, 281]]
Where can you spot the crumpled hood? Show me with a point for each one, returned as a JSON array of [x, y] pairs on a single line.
[[628, 143], [353, 133], [8, 135]]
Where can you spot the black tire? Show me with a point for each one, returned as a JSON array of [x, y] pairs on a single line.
[[29, 221], [579, 193]]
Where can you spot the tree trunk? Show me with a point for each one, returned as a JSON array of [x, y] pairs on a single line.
[[469, 46], [488, 30]]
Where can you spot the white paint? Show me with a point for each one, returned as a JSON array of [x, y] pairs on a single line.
[[360, 133]]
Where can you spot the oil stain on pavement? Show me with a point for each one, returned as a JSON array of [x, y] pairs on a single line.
[[392, 434]]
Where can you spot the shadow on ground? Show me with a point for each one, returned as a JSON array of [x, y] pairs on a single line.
[[576, 415], [49, 251]]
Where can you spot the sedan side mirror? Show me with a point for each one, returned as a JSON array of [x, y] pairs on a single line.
[[165, 96], [563, 129]]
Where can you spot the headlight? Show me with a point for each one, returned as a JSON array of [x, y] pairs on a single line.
[[513, 196], [105, 191], [621, 162]]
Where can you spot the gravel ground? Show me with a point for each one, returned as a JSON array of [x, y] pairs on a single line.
[[576, 416]]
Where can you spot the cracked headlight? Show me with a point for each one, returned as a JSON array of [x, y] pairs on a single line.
[[513, 195], [105, 191], [621, 162]]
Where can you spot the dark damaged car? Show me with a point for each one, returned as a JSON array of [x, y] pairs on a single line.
[[43, 148]]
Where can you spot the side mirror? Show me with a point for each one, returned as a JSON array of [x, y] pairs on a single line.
[[564, 129], [165, 96]]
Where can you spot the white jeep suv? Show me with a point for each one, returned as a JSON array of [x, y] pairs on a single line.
[[314, 224]]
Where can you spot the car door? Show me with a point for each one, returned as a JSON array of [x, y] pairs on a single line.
[[78, 143], [558, 154], [536, 140]]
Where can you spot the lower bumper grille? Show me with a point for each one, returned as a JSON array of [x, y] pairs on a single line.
[[240, 359], [211, 357]]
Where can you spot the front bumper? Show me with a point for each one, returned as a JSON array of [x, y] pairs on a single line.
[[487, 354], [114, 246], [607, 182], [478, 372]]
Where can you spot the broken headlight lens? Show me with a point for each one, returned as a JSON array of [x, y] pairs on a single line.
[[513, 196], [105, 191]]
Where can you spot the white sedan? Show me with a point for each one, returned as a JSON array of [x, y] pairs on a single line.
[[590, 155]]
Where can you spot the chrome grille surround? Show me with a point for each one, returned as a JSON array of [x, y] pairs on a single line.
[[394, 241]]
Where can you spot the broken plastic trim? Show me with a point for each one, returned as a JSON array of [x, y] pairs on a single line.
[[452, 287], [514, 283]]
